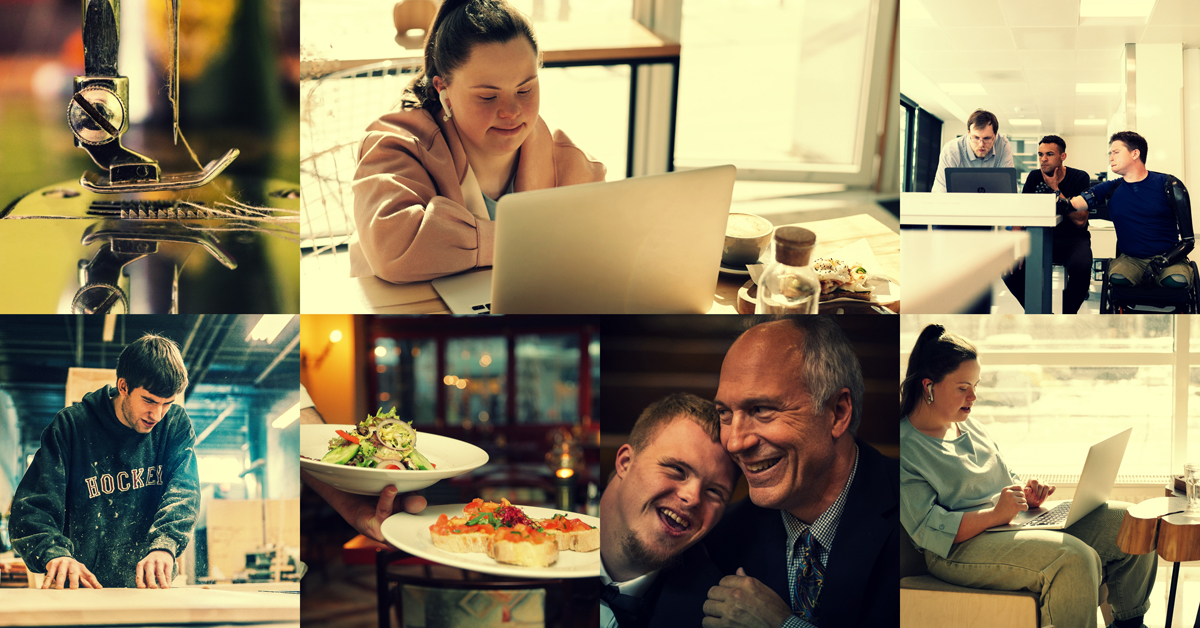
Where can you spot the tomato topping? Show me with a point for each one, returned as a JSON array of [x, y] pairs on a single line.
[[560, 522], [457, 525], [520, 533], [350, 437]]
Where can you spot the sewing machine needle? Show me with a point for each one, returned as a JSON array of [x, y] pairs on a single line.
[[175, 66]]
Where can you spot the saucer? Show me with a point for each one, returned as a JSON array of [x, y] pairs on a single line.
[[735, 270]]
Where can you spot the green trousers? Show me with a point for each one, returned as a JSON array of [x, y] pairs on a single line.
[[1064, 567]]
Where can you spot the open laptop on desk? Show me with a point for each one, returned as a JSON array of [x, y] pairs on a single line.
[[981, 180], [646, 245], [1095, 484]]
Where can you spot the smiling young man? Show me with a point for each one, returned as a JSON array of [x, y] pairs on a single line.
[[1151, 213], [816, 543], [111, 496], [981, 147], [671, 484]]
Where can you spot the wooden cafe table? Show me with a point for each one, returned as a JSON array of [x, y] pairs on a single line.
[[327, 288], [1159, 525], [832, 235]]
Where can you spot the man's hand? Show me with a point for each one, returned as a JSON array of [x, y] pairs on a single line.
[[366, 514], [743, 601], [1036, 493], [65, 572], [1053, 179], [154, 571], [369, 514]]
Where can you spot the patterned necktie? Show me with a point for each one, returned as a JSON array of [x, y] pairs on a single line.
[[628, 610], [809, 578]]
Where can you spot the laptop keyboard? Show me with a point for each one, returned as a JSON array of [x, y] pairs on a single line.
[[1058, 514], [486, 308]]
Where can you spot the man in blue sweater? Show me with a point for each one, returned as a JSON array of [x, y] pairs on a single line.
[[111, 496], [1150, 212]]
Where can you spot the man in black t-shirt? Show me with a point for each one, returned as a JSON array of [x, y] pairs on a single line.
[[1072, 242]]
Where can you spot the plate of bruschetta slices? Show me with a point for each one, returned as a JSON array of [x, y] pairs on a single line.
[[501, 539]]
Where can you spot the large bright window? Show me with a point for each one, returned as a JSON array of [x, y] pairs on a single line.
[[1052, 386]]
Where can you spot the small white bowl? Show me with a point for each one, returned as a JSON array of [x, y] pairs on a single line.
[[451, 457]]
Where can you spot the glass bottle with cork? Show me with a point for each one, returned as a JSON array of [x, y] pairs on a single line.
[[789, 285]]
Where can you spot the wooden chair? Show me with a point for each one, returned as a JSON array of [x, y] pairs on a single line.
[[488, 600]]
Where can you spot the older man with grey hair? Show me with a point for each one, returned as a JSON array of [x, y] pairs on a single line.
[[817, 544]]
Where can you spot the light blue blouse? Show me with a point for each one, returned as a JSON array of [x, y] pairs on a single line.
[[940, 480], [491, 204]]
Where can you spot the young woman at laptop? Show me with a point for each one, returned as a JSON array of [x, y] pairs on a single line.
[[466, 132], [955, 484]]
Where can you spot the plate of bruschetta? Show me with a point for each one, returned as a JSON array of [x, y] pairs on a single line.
[[501, 539]]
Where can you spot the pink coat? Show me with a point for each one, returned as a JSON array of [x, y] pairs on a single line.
[[413, 221]]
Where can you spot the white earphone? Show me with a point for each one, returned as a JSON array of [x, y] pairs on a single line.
[[445, 106]]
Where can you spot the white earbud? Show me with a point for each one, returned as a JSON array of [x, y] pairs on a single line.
[[445, 106]]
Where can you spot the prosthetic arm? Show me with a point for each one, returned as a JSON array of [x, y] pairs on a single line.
[[1177, 198]]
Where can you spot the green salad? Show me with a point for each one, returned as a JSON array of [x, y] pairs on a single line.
[[381, 441]]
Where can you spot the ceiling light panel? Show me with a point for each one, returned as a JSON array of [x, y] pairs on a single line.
[[1115, 8]]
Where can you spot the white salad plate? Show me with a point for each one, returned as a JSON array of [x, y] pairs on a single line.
[[411, 534], [450, 457]]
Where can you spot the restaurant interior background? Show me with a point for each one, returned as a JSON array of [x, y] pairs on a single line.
[[524, 389], [241, 397], [799, 94], [1052, 386]]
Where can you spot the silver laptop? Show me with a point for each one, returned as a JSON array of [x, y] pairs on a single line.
[[646, 245], [1095, 483]]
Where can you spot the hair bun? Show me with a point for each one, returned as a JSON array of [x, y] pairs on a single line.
[[929, 336]]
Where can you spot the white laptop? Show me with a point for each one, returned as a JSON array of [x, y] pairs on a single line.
[[646, 245], [1095, 483]]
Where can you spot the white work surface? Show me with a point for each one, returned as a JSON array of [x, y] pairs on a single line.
[[183, 605], [1035, 212], [980, 210], [947, 271]]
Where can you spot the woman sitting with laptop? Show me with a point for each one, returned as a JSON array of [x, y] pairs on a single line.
[[955, 485], [467, 132]]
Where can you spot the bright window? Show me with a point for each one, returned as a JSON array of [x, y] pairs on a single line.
[[1052, 386]]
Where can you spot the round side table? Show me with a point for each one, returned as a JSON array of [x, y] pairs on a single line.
[[1160, 525]]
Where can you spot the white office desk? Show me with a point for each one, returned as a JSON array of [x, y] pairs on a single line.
[[947, 271], [1035, 212]]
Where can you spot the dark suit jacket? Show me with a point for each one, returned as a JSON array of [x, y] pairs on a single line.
[[679, 592], [860, 587]]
